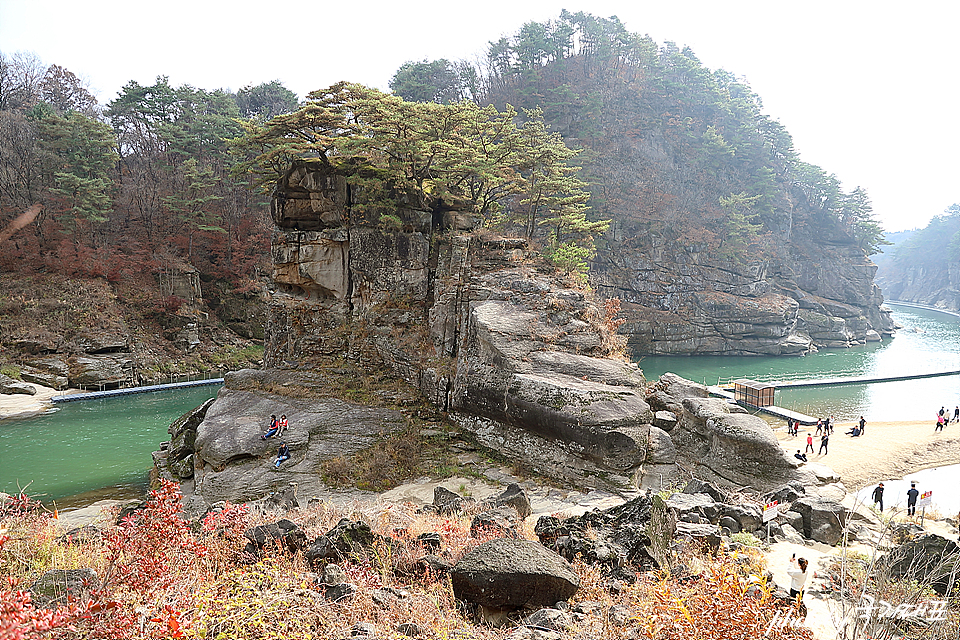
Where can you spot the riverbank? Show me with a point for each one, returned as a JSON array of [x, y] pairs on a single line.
[[887, 450], [16, 406]]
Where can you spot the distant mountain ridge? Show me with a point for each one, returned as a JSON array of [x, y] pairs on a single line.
[[922, 265]]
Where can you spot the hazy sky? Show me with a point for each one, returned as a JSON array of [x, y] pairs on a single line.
[[869, 90]]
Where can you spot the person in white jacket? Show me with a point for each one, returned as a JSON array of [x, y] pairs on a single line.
[[798, 576]]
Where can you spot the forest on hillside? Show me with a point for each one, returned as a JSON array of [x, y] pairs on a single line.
[[118, 190], [672, 151], [592, 141]]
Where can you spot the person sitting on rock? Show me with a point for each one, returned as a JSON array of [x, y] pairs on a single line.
[[273, 430], [282, 425], [800, 456], [282, 454]]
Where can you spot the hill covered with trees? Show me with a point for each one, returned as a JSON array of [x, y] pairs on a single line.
[[137, 194], [722, 239], [923, 266]]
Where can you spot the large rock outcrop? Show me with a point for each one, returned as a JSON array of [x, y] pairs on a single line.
[[227, 458], [509, 347], [513, 350], [680, 300], [720, 440]]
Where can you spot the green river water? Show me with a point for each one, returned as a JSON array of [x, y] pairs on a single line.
[[101, 448], [92, 448], [929, 341]]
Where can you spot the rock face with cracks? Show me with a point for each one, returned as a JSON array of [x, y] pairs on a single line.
[[512, 349]]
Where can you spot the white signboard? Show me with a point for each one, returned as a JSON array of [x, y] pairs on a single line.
[[926, 499], [770, 511]]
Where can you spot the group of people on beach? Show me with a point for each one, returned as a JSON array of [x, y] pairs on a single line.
[[824, 430], [277, 427], [943, 417]]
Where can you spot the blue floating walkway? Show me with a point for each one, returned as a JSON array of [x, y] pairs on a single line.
[[868, 379], [94, 395]]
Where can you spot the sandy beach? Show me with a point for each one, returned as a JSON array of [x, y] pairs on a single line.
[[887, 450], [19, 405]]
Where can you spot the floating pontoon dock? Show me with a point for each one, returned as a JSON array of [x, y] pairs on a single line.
[[109, 393]]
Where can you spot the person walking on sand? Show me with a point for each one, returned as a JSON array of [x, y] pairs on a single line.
[[956, 414], [878, 496], [809, 443], [819, 426], [824, 439], [798, 576], [863, 425], [912, 496], [939, 426]]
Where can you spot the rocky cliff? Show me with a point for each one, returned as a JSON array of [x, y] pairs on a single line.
[[511, 349], [921, 267], [682, 300]]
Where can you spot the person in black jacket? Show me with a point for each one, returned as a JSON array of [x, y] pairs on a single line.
[[282, 454], [878, 496], [912, 496]]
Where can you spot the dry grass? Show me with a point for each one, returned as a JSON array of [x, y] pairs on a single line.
[[212, 595]]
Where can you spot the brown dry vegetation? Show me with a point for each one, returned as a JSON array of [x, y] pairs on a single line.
[[206, 591]]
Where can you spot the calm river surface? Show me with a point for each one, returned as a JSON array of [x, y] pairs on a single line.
[[929, 341], [91, 449]]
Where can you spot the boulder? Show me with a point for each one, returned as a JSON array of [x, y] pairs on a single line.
[[704, 534], [58, 586], [345, 540], [513, 496], [500, 522], [282, 534], [513, 574], [698, 503], [823, 520], [791, 518], [749, 517], [552, 619], [87, 534], [701, 486], [447, 502], [785, 493], [636, 533], [730, 524], [10, 386], [340, 592], [736, 447], [929, 559]]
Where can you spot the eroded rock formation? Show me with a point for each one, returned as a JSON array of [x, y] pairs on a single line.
[[510, 348], [681, 301]]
